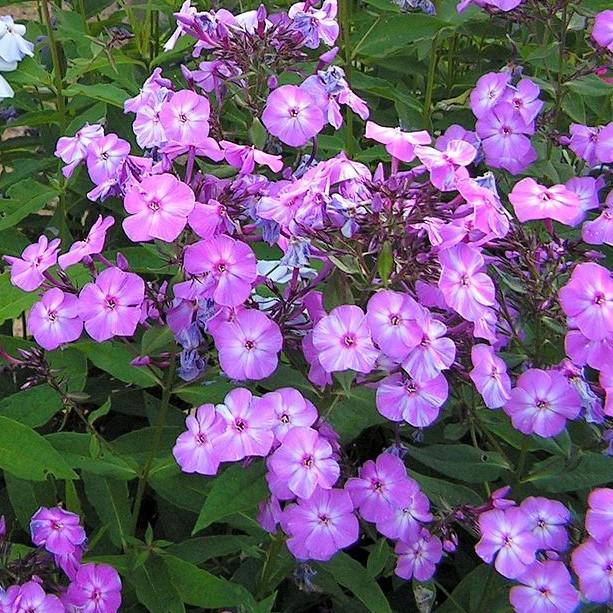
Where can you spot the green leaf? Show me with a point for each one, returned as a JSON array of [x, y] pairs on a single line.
[[461, 462], [201, 589], [111, 502], [25, 197], [385, 262], [32, 407], [115, 358], [104, 92], [180, 489], [72, 367], [99, 412], [26, 454], [203, 548], [13, 301], [439, 490], [557, 475], [378, 558], [258, 134], [197, 395], [350, 416], [590, 85], [26, 497], [235, 490], [352, 575], [155, 587]]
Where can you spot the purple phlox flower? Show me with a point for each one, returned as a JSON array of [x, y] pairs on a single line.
[[314, 24], [599, 516], [291, 409], [321, 525], [72, 150], [602, 32], [248, 346], [541, 403], [586, 189], [381, 487], [58, 531], [111, 306], [587, 298], [158, 208], [489, 91], [95, 589], [27, 271], [211, 76], [399, 144], [546, 588], [501, 5], [343, 341], [444, 164], [524, 98], [317, 374], [304, 461], [548, 521], [418, 558], [229, 266], [297, 252], [606, 382], [210, 218], [433, 354], [391, 317], [489, 216], [70, 562], [592, 562], [467, 290], [417, 402], [457, 132], [187, 11], [91, 245], [533, 201], [207, 147], [600, 230], [185, 118], [147, 125], [54, 320], [249, 424], [489, 374], [506, 539], [581, 350], [269, 514], [503, 133], [245, 157], [590, 402], [105, 155], [197, 449], [405, 523], [30, 597], [154, 84], [278, 485], [292, 115], [583, 141]]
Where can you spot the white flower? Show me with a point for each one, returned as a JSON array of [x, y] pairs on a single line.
[[13, 47], [6, 91]]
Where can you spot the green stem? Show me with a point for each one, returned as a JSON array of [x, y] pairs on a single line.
[[83, 15], [57, 65], [345, 24], [269, 565], [427, 111], [161, 421]]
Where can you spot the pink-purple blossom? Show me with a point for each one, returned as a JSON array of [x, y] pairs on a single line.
[[548, 520], [58, 531], [599, 516], [592, 562], [27, 272], [185, 118], [96, 588], [418, 558], [489, 374], [533, 201], [398, 143], [602, 32], [291, 409], [93, 243]]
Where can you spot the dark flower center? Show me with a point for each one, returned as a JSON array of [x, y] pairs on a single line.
[[395, 320], [201, 438], [307, 461], [240, 424], [349, 340], [111, 302], [154, 205], [183, 118], [599, 299], [249, 345], [284, 419], [293, 112]]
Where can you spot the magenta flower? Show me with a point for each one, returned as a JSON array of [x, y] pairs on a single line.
[[444, 164], [147, 125], [599, 516], [55, 319], [185, 118], [27, 271], [418, 403], [541, 403], [93, 243], [503, 134], [210, 219], [546, 588], [507, 538], [602, 31], [58, 531], [586, 189], [592, 561], [30, 597], [581, 350], [583, 141], [269, 514], [246, 157], [304, 461], [343, 341], [159, 206], [399, 144], [391, 318], [488, 92], [72, 150], [533, 201], [104, 157], [291, 409], [321, 525], [382, 487], [418, 559], [315, 24], [466, 289], [405, 523], [600, 230], [434, 353], [489, 374], [524, 99], [111, 306], [229, 268], [588, 299], [248, 346], [249, 423], [95, 589], [548, 520], [196, 451], [292, 115]]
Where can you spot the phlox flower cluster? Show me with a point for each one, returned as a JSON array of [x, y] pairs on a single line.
[[53, 578], [13, 48]]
